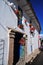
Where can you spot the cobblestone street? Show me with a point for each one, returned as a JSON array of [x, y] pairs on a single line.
[[38, 60]]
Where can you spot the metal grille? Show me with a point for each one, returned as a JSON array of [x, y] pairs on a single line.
[[2, 52]]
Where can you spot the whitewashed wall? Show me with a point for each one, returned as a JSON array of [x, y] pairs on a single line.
[[35, 41], [27, 31], [31, 40], [4, 36], [7, 19], [7, 16]]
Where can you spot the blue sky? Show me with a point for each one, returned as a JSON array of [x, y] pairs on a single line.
[[38, 8]]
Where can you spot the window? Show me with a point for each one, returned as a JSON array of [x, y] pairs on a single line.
[[20, 25], [20, 15]]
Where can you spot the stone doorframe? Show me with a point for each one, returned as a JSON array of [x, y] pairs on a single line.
[[11, 46]]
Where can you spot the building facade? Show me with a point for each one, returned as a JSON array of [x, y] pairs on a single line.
[[19, 30]]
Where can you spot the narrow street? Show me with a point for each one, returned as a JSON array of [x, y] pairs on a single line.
[[38, 60], [21, 32]]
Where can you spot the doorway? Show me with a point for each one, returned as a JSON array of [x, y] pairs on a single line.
[[17, 47]]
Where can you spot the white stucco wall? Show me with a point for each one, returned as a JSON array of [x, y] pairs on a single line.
[[4, 36], [35, 41], [7, 16], [27, 31], [31, 40], [7, 19]]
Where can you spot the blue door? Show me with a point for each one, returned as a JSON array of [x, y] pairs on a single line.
[[22, 51]]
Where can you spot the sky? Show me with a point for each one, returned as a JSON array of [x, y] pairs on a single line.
[[38, 8]]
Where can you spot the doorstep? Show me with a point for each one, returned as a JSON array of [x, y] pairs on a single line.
[[21, 61]]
